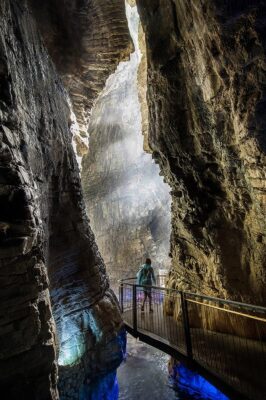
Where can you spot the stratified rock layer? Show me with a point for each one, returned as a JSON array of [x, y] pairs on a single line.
[[206, 95], [28, 368], [44, 229], [86, 40]]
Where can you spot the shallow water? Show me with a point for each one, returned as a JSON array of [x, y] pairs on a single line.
[[144, 375]]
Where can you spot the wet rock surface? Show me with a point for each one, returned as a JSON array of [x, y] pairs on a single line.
[[86, 40], [92, 379], [206, 96], [44, 229]]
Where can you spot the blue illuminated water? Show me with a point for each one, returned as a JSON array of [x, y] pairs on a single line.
[[103, 388], [190, 385], [145, 375]]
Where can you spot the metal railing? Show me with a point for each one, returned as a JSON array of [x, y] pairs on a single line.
[[225, 338]]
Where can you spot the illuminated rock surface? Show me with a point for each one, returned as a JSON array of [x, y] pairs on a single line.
[[206, 97], [44, 229], [86, 40], [127, 201]]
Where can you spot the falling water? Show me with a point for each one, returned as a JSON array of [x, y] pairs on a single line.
[[127, 200]]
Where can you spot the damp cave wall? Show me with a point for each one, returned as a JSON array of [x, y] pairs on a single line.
[[206, 100], [51, 271], [86, 40]]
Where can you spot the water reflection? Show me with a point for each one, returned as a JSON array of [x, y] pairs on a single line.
[[103, 388], [190, 385], [145, 375]]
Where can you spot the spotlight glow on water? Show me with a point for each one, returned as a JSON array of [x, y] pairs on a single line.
[[194, 385]]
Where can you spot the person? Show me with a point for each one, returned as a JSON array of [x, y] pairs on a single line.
[[145, 277]]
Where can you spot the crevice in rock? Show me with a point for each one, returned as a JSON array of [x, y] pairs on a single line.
[[127, 201]]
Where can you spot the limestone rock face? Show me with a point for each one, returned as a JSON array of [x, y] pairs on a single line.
[[28, 115], [44, 229], [206, 96], [142, 89], [86, 40]]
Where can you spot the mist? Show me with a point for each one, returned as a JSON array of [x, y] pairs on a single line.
[[128, 202]]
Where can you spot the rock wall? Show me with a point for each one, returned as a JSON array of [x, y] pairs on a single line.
[[206, 97], [127, 201], [43, 226], [86, 40], [100, 381]]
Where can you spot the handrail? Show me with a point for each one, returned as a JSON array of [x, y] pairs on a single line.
[[251, 307], [134, 278], [228, 311], [237, 304], [219, 337]]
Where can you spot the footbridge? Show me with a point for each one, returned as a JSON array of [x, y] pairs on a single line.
[[225, 341]]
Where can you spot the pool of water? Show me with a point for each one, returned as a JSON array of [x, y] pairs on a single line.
[[145, 375], [148, 374]]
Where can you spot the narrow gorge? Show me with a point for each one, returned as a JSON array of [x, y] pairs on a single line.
[[130, 213], [128, 129]]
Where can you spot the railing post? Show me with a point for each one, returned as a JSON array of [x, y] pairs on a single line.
[[186, 325], [134, 309], [121, 297]]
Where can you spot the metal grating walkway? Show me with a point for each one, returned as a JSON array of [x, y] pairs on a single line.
[[223, 340]]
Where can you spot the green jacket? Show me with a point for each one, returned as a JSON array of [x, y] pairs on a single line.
[[146, 275]]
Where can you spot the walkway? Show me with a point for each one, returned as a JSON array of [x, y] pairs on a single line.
[[224, 341]]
